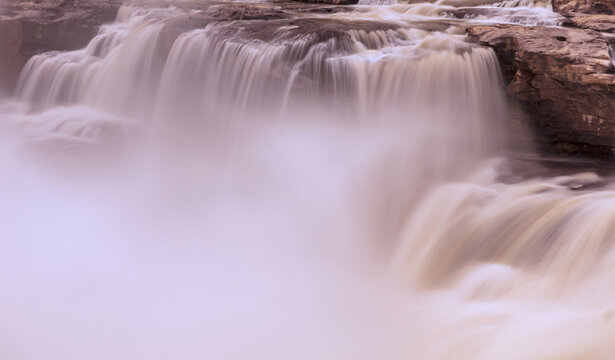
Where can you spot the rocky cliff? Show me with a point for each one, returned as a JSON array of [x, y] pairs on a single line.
[[565, 75]]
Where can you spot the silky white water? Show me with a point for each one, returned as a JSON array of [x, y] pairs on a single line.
[[245, 190]]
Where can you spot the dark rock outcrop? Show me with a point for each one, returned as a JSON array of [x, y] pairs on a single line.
[[566, 76], [31, 27]]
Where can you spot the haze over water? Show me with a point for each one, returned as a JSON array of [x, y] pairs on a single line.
[[262, 191]]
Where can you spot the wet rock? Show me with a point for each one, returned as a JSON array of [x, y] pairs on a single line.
[[584, 6], [28, 28], [566, 77]]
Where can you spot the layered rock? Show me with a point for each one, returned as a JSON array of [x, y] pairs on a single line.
[[28, 28], [566, 76]]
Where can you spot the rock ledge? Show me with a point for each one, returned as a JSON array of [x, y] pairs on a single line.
[[566, 77]]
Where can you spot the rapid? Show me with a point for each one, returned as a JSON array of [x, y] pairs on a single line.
[[324, 185]]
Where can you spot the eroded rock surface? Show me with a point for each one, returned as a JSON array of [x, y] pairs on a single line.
[[565, 76]]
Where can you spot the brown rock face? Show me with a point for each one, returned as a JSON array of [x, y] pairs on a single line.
[[565, 76], [28, 28], [606, 7]]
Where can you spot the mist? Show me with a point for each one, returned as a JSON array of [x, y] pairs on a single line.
[[190, 186]]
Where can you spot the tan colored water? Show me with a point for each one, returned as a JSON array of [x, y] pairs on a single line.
[[222, 196]]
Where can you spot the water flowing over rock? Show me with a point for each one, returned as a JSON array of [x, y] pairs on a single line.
[[282, 180], [28, 28]]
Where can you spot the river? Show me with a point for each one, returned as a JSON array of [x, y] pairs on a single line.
[[320, 185]]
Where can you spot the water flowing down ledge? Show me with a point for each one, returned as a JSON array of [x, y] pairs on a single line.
[[296, 181]]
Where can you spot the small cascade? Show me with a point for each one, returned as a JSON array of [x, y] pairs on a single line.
[[118, 71], [553, 231]]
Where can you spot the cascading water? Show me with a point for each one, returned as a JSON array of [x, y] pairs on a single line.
[[326, 185]]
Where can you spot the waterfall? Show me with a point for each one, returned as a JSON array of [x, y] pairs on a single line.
[[333, 185]]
